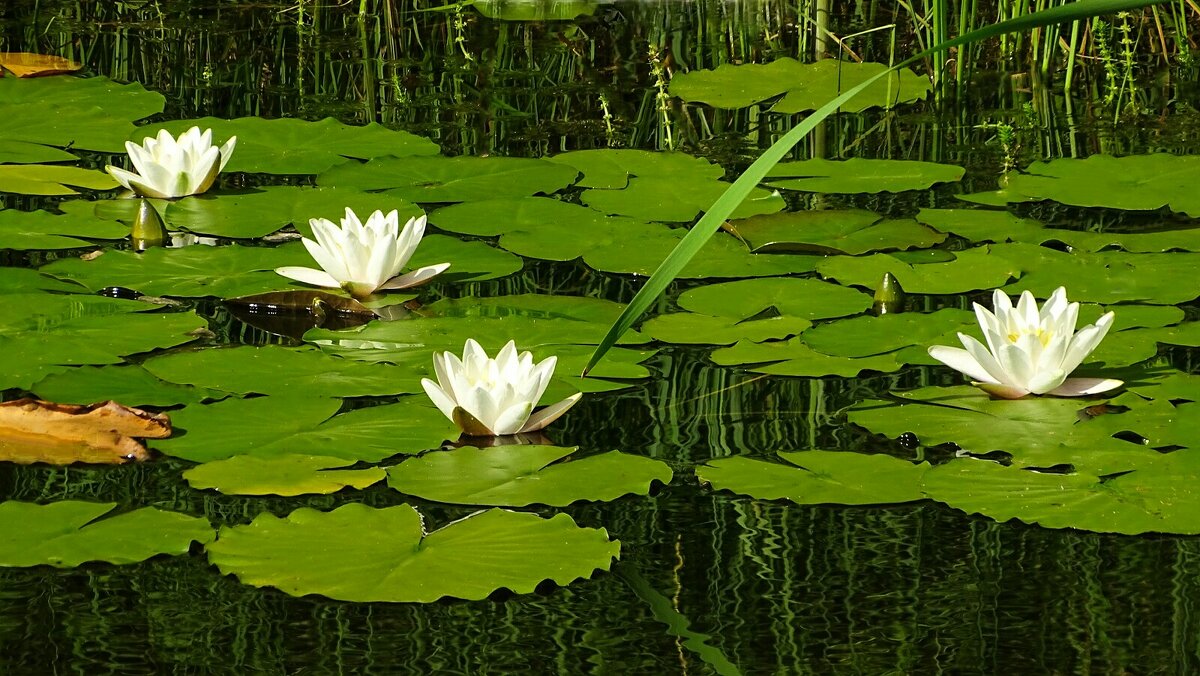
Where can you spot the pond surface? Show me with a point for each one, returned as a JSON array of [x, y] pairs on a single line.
[[707, 581]]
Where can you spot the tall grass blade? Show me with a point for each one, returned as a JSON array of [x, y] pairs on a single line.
[[737, 192]]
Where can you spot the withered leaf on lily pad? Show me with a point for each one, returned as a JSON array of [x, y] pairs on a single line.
[[291, 313], [60, 434], [28, 64]]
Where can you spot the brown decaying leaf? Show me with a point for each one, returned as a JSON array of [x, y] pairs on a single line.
[[61, 434], [26, 64]]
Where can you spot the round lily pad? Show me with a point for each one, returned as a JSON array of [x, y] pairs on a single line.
[[294, 146], [51, 179], [831, 232], [1157, 498], [290, 474], [67, 534], [92, 113], [1134, 182], [860, 175], [807, 298], [970, 270], [226, 271], [28, 230], [453, 179], [269, 427], [515, 476], [358, 553], [690, 328], [273, 369], [808, 86], [819, 477], [129, 384], [793, 358]]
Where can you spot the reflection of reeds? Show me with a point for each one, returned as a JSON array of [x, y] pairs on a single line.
[[481, 86]]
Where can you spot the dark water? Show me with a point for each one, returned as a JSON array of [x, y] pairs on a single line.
[[705, 580]]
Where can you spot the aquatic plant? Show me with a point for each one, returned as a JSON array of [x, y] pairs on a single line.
[[494, 397], [168, 167], [1029, 351], [363, 258]]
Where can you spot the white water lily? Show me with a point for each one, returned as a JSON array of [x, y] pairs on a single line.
[[1029, 351], [363, 258], [168, 168], [494, 397]]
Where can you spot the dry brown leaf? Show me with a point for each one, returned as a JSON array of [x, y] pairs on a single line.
[[60, 434], [26, 64]]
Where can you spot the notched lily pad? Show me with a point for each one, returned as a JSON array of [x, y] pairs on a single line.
[[832, 232], [51, 179], [70, 533], [520, 475], [359, 553], [819, 477], [290, 474], [859, 175], [808, 86]]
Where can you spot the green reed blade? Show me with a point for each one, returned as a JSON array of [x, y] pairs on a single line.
[[708, 225]]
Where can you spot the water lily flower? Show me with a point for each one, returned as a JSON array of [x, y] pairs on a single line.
[[168, 168], [364, 258], [1029, 351], [494, 397]]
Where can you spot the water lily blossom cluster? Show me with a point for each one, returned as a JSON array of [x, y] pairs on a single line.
[[494, 397], [168, 167], [363, 258], [1029, 351]]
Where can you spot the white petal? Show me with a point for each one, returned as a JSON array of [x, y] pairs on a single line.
[[444, 403], [1085, 341], [985, 359], [415, 278], [309, 276], [1078, 387], [227, 151], [960, 360], [1046, 381], [512, 419], [551, 413], [1002, 391], [122, 176]]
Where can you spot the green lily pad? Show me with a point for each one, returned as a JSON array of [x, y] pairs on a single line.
[[819, 477], [227, 271], [25, 280], [358, 553], [1038, 432], [452, 179], [1159, 497], [280, 475], [859, 175], [654, 186], [131, 385], [793, 358], [1136, 182], [554, 230], [832, 232], [90, 113], [971, 270], [293, 146], [1104, 277], [279, 370], [269, 427], [42, 332], [808, 86], [807, 298], [690, 328], [70, 533], [867, 335], [30, 230], [981, 226], [51, 179], [516, 476]]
